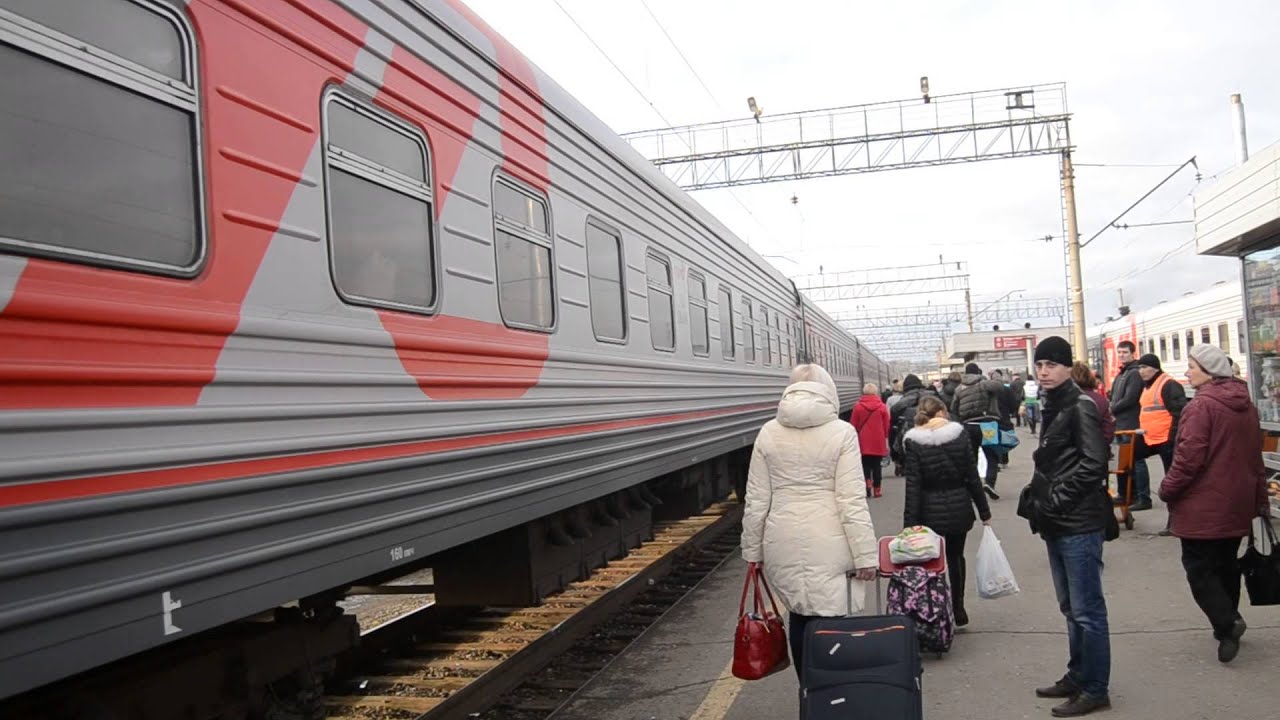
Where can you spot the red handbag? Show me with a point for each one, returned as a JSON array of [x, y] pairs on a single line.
[[760, 641]]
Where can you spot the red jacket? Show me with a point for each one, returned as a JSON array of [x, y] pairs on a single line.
[[1216, 485], [1104, 410], [871, 419]]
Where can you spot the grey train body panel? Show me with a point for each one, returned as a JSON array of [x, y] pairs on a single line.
[[390, 473]]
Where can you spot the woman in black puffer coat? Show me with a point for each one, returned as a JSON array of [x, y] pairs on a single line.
[[943, 487]]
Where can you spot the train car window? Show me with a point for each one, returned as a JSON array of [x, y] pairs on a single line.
[[698, 314], [1164, 349], [1191, 341], [1224, 337], [520, 208], [726, 323], [102, 159], [353, 131], [1242, 342], [1204, 336], [379, 216], [1177, 347], [748, 331], [522, 240], [766, 338], [604, 283], [662, 323]]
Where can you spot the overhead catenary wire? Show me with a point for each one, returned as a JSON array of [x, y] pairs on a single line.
[[652, 105], [1190, 161], [679, 52]]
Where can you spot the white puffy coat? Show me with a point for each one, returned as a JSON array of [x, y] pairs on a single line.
[[806, 515]]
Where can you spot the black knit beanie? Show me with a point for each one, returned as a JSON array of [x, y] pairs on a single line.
[[1054, 349], [972, 369]]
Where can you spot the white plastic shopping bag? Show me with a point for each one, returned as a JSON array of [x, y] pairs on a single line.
[[982, 464], [916, 544], [995, 576]]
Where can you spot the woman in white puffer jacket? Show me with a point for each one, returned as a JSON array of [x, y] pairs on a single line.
[[806, 518]]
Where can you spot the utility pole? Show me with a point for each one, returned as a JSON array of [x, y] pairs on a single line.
[[968, 305], [1076, 292]]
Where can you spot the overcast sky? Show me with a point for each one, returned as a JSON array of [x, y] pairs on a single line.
[[1147, 81]]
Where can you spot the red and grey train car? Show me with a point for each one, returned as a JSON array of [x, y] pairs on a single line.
[[299, 292]]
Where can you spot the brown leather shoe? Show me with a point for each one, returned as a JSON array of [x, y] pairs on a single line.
[[1081, 705], [1063, 688]]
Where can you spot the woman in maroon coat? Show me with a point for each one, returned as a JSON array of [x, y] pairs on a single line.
[[1215, 488], [870, 419]]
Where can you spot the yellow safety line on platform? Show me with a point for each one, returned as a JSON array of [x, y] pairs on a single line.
[[715, 706]]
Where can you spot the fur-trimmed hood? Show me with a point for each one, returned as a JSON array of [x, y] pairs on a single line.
[[942, 435]]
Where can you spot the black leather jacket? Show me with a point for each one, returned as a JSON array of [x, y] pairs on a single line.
[[1068, 491]]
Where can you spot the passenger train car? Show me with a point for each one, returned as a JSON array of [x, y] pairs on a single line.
[[295, 293], [1170, 329]]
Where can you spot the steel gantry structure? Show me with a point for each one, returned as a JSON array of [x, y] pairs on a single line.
[[933, 130], [943, 130]]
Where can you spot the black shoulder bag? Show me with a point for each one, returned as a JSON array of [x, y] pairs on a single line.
[[1262, 572]]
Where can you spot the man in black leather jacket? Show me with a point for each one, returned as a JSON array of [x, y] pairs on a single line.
[[1068, 505]]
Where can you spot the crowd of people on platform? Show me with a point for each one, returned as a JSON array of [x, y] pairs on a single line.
[[807, 520]]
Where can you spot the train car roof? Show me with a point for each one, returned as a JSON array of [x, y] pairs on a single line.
[[473, 31], [1220, 290]]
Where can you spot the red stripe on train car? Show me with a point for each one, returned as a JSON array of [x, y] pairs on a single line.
[[445, 110], [507, 361], [79, 488], [524, 125], [112, 338]]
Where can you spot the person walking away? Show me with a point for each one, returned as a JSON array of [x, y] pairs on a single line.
[[1008, 403], [942, 488], [870, 420], [1031, 403], [806, 521], [902, 416], [977, 399], [895, 396], [1214, 489], [1087, 380], [1019, 387], [1068, 506], [948, 391], [1126, 405]]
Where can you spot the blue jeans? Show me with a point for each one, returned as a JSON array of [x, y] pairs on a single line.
[[1141, 480], [1076, 564]]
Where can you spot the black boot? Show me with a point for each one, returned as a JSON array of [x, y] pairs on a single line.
[[962, 617], [1081, 704], [1065, 687]]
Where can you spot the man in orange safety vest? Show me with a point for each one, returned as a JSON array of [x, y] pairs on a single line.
[[1162, 402]]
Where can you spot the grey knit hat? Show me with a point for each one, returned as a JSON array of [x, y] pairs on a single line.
[[1213, 360]]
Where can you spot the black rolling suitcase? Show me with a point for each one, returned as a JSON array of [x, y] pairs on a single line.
[[861, 668]]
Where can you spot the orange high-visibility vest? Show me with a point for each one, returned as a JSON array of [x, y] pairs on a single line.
[[1155, 420]]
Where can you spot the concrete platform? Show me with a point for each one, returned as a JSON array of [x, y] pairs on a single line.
[[1164, 658]]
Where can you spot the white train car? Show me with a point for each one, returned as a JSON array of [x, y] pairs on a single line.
[[1171, 328]]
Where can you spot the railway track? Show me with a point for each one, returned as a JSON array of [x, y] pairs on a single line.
[[524, 663]]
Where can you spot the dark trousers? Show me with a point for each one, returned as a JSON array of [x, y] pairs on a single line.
[[1164, 451], [993, 455], [1213, 572], [1141, 476], [795, 634], [871, 469], [956, 567]]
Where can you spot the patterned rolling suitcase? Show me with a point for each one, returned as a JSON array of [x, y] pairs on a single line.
[[861, 668]]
